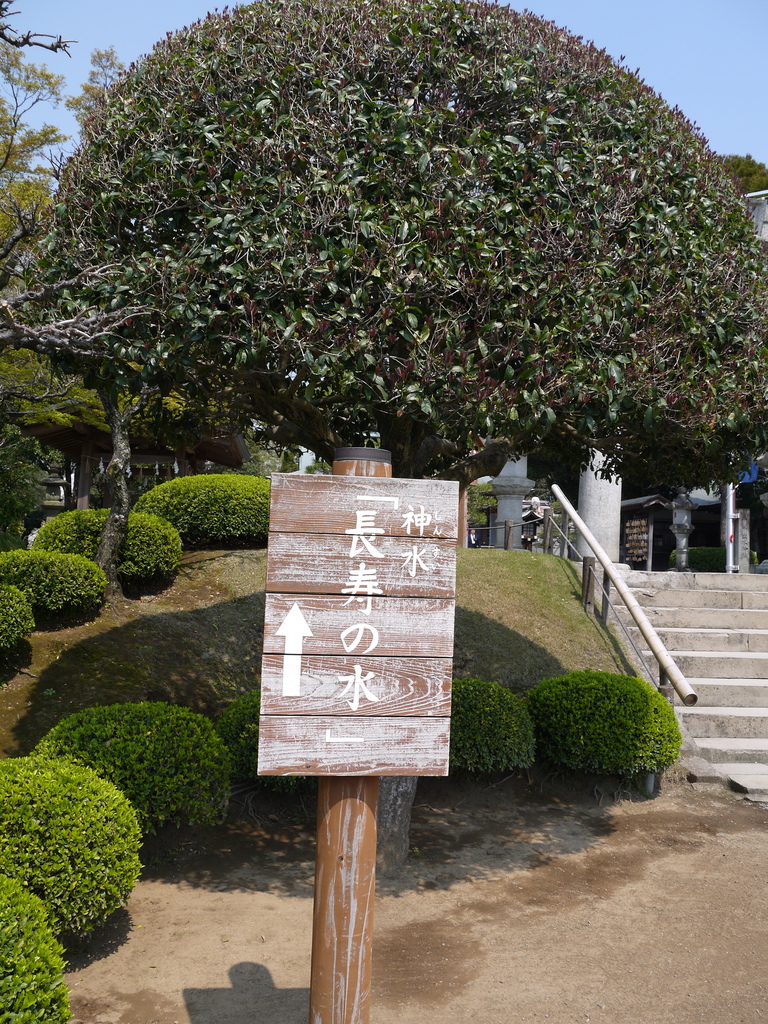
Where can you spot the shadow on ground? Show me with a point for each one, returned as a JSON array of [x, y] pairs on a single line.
[[486, 649], [202, 659], [251, 985], [459, 831]]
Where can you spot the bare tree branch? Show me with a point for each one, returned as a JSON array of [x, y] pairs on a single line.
[[489, 461], [20, 39], [84, 335]]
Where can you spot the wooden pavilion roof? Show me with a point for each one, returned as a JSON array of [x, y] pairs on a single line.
[[73, 440]]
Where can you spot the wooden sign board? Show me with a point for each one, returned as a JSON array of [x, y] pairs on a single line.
[[323, 504], [412, 687], [395, 626], [316, 745], [320, 564], [358, 632]]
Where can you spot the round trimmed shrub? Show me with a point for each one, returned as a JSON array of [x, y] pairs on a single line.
[[71, 837], [151, 550], [216, 507], [16, 618], [491, 730], [53, 582], [32, 989], [599, 722], [238, 726], [169, 761]]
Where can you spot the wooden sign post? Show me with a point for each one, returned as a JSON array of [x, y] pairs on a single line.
[[356, 679]]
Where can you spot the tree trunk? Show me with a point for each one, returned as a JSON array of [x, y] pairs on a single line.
[[116, 526], [395, 801]]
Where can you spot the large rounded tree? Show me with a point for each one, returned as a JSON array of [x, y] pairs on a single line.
[[427, 221]]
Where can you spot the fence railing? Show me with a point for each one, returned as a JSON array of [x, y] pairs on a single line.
[[668, 672]]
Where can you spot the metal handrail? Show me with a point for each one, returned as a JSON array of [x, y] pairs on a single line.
[[666, 665], [607, 605]]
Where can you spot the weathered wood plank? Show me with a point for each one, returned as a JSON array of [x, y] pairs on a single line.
[[337, 686], [418, 627], [300, 563], [331, 504], [319, 745]]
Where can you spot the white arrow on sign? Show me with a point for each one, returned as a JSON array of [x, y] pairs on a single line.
[[294, 628]]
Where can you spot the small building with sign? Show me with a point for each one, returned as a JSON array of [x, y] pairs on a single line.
[[647, 540]]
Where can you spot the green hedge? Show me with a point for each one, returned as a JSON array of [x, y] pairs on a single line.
[[238, 726], [16, 618], [151, 550], [216, 507], [70, 837], [599, 722], [707, 559], [54, 583], [169, 761], [491, 730], [10, 543], [32, 989]]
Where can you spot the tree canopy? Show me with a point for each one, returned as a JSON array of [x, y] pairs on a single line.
[[429, 221]]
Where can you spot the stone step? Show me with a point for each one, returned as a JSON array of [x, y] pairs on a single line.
[[749, 777], [715, 627], [650, 597], [725, 722], [719, 665], [729, 693], [723, 640], [680, 581], [721, 750], [699, 618]]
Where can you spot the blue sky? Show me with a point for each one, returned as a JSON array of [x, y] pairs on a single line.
[[705, 56]]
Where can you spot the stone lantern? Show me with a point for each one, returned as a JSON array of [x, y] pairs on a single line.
[[509, 488], [55, 490], [682, 527]]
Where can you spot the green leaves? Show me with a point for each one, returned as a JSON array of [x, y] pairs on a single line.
[[70, 837], [416, 221], [600, 722], [491, 730], [167, 760]]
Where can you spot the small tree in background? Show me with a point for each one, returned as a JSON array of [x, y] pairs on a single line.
[[106, 68], [752, 175]]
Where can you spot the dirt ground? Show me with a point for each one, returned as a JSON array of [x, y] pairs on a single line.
[[521, 902]]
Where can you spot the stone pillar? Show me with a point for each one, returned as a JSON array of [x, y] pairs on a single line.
[[600, 508], [85, 476], [55, 486], [509, 488], [743, 535]]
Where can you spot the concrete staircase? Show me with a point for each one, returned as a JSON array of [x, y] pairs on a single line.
[[715, 627]]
